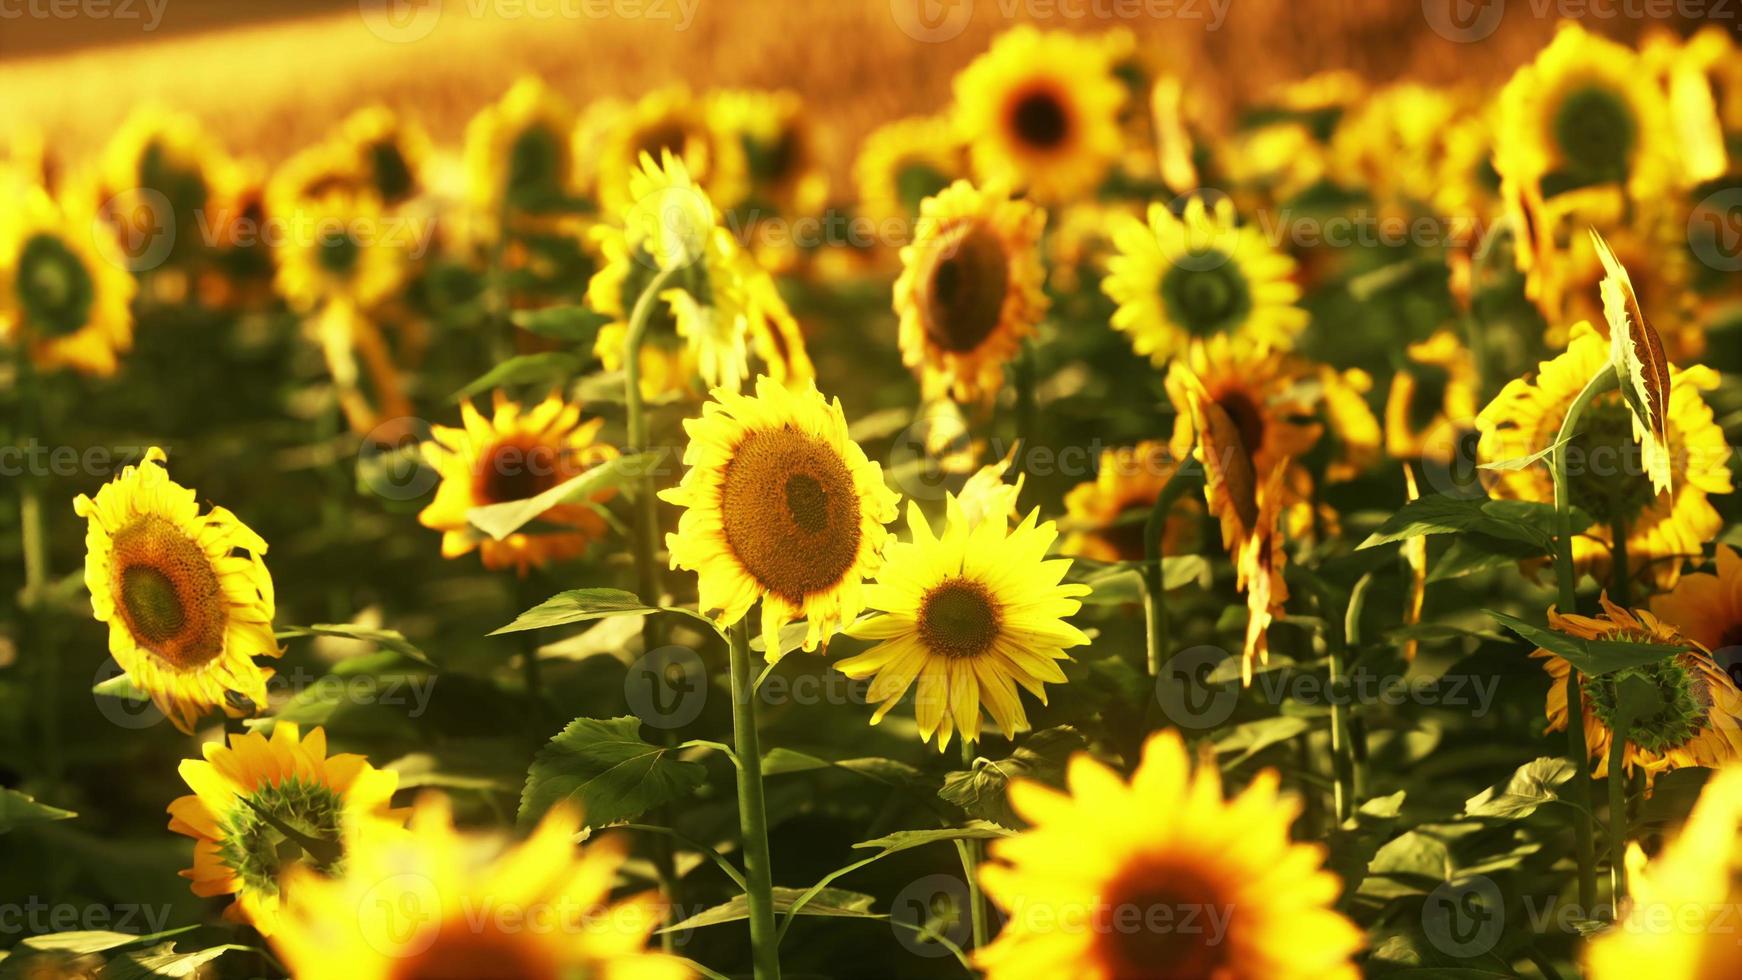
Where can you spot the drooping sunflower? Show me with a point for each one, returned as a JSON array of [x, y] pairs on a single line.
[[969, 616], [970, 289], [187, 597], [1040, 112], [1699, 721], [1108, 516], [1680, 905], [518, 156], [779, 505], [60, 298], [431, 902], [1087, 885], [261, 805], [671, 120], [1607, 474], [1706, 607], [515, 454], [1587, 111], [1266, 394], [1432, 399], [1197, 276], [902, 163]]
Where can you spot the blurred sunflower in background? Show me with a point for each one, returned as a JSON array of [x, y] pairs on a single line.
[[394, 154], [187, 597], [1698, 721], [1706, 607], [970, 289], [1432, 400], [1200, 275], [670, 121], [261, 806], [967, 615], [341, 247], [1466, 182], [1273, 162], [1040, 112], [431, 902], [1702, 75], [902, 163], [779, 505], [1587, 111], [1648, 238], [1108, 516], [1167, 840], [519, 161], [782, 159], [1392, 142], [156, 177], [1607, 476], [61, 299], [516, 454]]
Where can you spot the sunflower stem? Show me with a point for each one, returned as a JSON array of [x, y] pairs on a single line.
[[1352, 752], [1604, 380], [972, 851], [33, 530], [752, 814], [1617, 815], [1621, 583], [1185, 477]]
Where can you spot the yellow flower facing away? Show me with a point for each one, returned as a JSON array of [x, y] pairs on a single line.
[[430, 901], [1107, 517], [518, 156], [1101, 885], [1706, 607], [1607, 477], [902, 163], [970, 290], [669, 121], [1040, 111], [1681, 904], [969, 616], [61, 297], [1699, 722], [263, 805], [1432, 400], [1648, 240], [187, 597], [1393, 143], [515, 454], [1200, 275]]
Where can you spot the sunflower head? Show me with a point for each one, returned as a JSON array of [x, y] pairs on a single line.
[[518, 157], [186, 596], [779, 145], [1706, 607], [59, 296], [779, 505], [970, 289], [342, 247], [1432, 399], [159, 167], [393, 153], [902, 163], [1109, 515], [670, 121]]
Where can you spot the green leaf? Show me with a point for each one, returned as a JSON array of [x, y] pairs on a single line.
[[981, 791], [1121, 583], [1352, 846], [1524, 462], [1533, 785], [501, 520], [1474, 552], [16, 810], [584, 605], [901, 840], [549, 367], [833, 902], [603, 765], [93, 940], [391, 640], [1593, 658], [1520, 521], [781, 761], [120, 686], [164, 961], [1254, 737], [570, 324]]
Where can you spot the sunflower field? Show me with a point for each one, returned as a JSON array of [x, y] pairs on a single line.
[[1092, 534]]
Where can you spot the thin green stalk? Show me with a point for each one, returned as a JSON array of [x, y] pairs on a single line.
[[1618, 814], [1621, 582], [1355, 753], [34, 531], [1185, 477], [972, 851], [752, 813], [1343, 790], [1604, 380]]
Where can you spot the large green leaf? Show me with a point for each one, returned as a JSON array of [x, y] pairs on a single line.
[[163, 961], [584, 605], [982, 791], [827, 902], [93, 940], [383, 638], [501, 520], [550, 368], [16, 810], [1521, 521], [780, 761], [574, 325], [1593, 658], [1534, 784], [604, 765]]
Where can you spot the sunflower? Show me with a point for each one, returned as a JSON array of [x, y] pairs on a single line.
[[341, 247], [1275, 161], [1198, 276], [1699, 721], [1587, 111], [1391, 145], [260, 806], [969, 615], [68, 304], [1107, 516], [1432, 399], [970, 289], [157, 169], [1040, 111], [671, 121], [1607, 476], [1099, 888], [902, 163], [1702, 75], [779, 505], [393, 154], [518, 157], [780, 147], [515, 454], [1467, 185], [187, 596], [1266, 394], [431, 902], [1679, 921], [1706, 608]]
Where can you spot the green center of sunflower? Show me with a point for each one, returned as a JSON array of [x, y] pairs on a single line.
[[54, 287], [773, 161], [1595, 131], [393, 177], [1427, 396], [916, 180], [959, 617], [1039, 119], [1606, 468], [1674, 712], [276, 826], [535, 165], [338, 252], [167, 592], [1163, 924], [790, 512], [964, 287], [1206, 293]]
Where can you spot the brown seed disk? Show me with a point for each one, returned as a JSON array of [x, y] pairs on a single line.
[[168, 593], [963, 287], [959, 617], [790, 512]]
